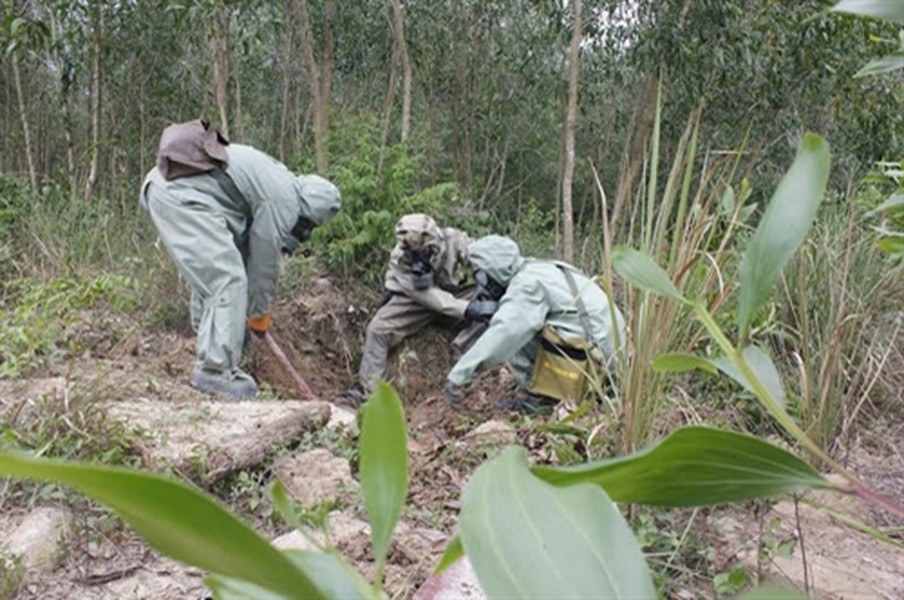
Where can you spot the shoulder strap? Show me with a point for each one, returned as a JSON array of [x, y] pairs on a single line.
[[579, 302]]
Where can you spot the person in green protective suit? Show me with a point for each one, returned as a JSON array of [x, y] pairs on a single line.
[[537, 295], [226, 212], [425, 285]]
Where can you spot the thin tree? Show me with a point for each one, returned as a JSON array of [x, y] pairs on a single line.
[[319, 103], [91, 180], [219, 58], [570, 124], [26, 132]]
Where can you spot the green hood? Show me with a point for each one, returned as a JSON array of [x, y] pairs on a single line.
[[320, 199], [497, 255]]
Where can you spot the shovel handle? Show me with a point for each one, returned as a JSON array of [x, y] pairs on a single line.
[[306, 392]]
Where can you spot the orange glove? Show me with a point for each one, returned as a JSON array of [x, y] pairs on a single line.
[[260, 325]]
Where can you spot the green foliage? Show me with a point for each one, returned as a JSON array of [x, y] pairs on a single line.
[[890, 212], [379, 185], [527, 539], [694, 466], [384, 468], [12, 571], [788, 218], [36, 316]]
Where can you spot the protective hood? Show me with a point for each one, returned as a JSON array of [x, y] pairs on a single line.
[[499, 256], [418, 231], [319, 197]]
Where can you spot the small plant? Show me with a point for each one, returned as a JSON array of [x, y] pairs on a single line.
[[35, 316]]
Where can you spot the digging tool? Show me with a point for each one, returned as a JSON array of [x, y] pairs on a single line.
[[306, 392]]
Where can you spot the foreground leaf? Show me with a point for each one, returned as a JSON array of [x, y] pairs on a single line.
[[678, 362], [768, 592], [639, 270], [787, 220], [384, 466], [177, 520], [894, 204], [886, 64], [527, 539], [454, 551], [694, 466], [892, 10], [762, 366]]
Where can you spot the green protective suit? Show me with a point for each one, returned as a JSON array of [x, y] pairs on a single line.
[[537, 294], [408, 310], [224, 230]]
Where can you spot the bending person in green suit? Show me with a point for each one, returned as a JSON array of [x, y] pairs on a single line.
[[225, 212]]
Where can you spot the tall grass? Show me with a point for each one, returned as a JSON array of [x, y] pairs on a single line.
[[688, 225], [838, 304]]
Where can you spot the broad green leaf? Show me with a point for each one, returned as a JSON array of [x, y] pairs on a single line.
[[678, 362], [894, 204], [891, 10], [639, 270], [337, 580], [762, 366], [891, 245], [787, 220], [227, 588], [454, 551], [886, 64], [694, 466], [768, 592], [528, 539], [332, 574], [177, 520], [384, 466]]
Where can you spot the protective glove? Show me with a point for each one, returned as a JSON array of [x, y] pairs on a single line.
[[481, 310], [260, 325], [453, 396]]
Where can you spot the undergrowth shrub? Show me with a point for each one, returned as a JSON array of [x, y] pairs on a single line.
[[35, 316]]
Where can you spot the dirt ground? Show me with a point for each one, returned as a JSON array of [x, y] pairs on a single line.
[[321, 333]]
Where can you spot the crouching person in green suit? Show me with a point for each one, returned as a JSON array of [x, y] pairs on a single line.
[[225, 212], [554, 326]]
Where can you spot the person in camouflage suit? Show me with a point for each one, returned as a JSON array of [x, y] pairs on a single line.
[[426, 283]]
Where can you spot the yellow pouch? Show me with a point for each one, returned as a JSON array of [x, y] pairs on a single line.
[[561, 367]]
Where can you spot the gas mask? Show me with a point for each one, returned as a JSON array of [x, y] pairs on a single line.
[[421, 267], [487, 288], [301, 232]]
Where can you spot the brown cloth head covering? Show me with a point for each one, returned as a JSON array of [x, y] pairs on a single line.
[[191, 148]]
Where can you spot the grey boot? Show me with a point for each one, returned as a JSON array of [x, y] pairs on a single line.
[[239, 386]]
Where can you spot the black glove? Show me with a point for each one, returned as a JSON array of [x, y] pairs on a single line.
[[481, 310], [453, 396]]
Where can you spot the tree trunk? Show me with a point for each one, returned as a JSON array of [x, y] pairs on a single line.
[[399, 20], [570, 123], [219, 58], [26, 132], [394, 60], [91, 180], [313, 74], [635, 146], [326, 68], [288, 75]]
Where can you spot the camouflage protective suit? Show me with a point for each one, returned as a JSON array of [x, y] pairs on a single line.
[[407, 309], [537, 294], [224, 229]]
